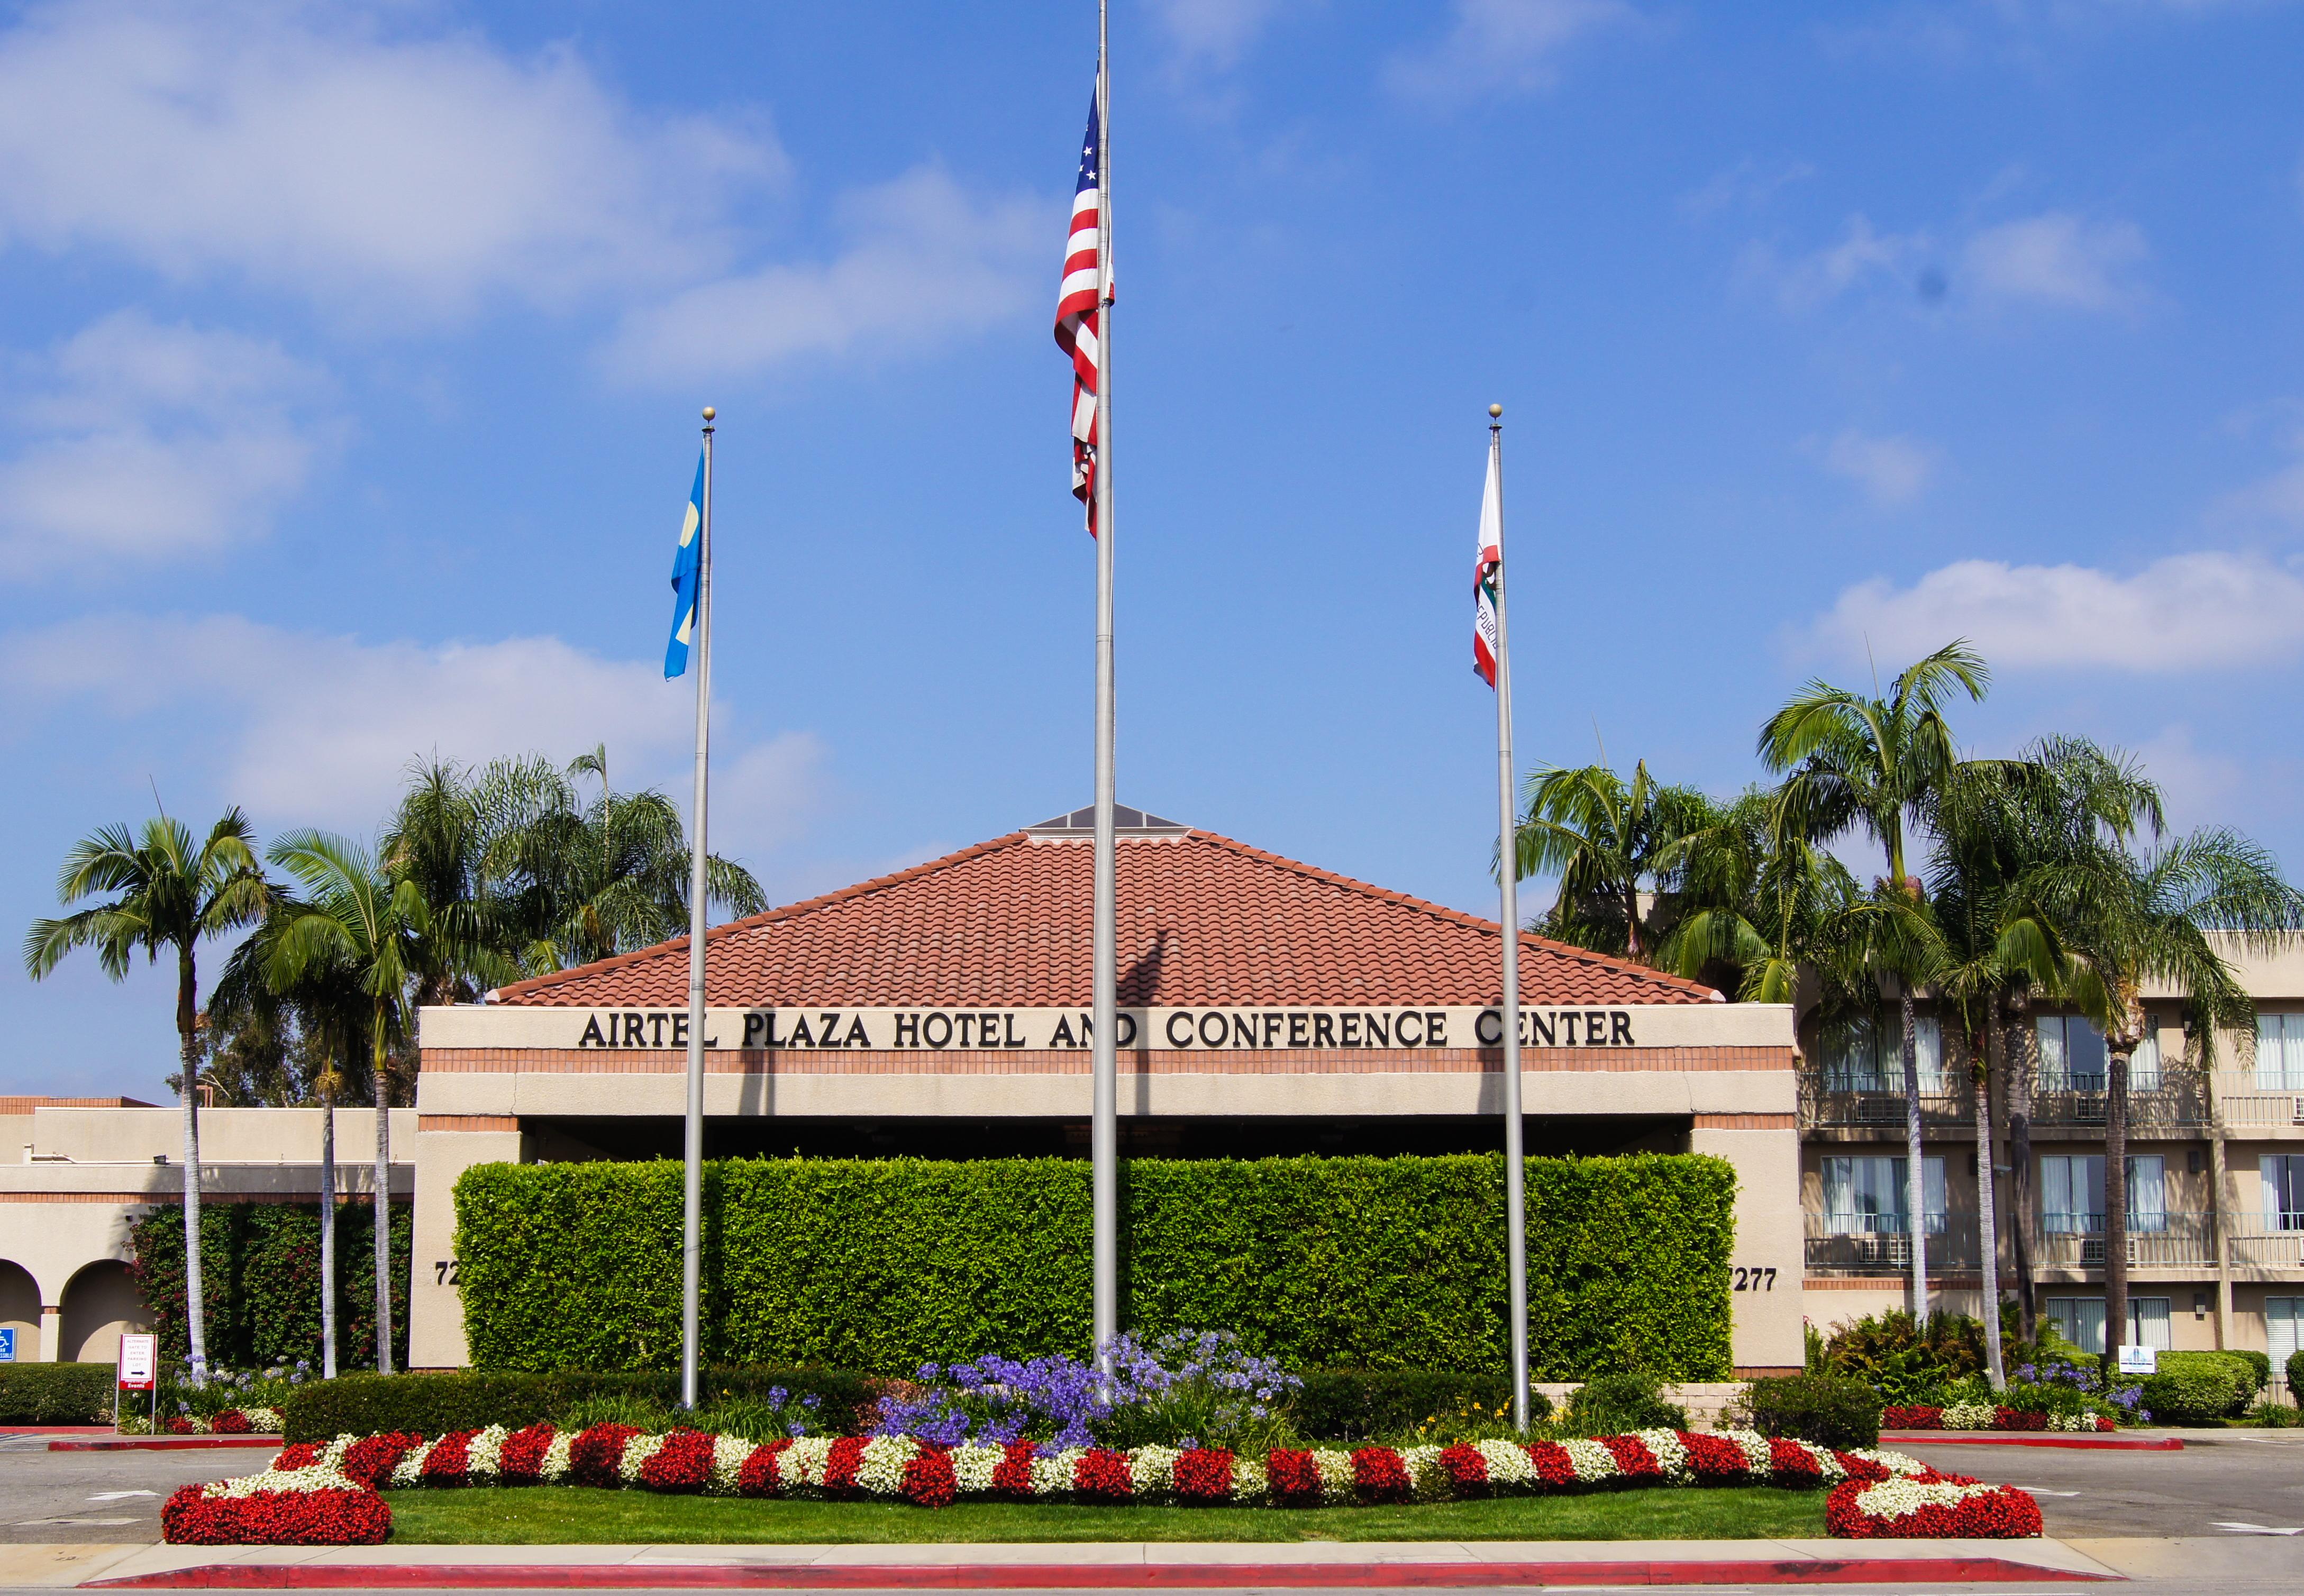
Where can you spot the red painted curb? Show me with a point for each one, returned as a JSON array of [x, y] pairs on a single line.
[[55, 1430], [2086, 1443], [1090, 1576], [165, 1443]]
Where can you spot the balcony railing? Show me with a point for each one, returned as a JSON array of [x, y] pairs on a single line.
[[1822, 1103], [2154, 1241], [1882, 1244], [2268, 1241]]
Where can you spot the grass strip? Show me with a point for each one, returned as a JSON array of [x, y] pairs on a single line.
[[559, 1515]]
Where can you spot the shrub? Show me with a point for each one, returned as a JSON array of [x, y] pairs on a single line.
[[1832, 1410], [435, 1403], [2296, 1375], [1906, 1360], [1619, 1404], [2260, 1365], [58, 1393], [1370, 1404], [260, 1273], [2190, 1394], [884, 1265], [2236, 1370]]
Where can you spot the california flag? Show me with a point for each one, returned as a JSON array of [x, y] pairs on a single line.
[[1487, 572]]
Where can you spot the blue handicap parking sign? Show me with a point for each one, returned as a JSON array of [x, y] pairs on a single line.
[[7, 1344]]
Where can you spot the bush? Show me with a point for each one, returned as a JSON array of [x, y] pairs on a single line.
[[2296, 1375], [57, 1393], [1369, 1403], [1619, 1404], [1832, 1410], [884, 1265], [261, 1273], [1904, 1361], [435, 1403], [2260, 1365], [2189, 1394], [2234, 1368]]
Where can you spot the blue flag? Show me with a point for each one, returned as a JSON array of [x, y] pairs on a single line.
[[687, 572]]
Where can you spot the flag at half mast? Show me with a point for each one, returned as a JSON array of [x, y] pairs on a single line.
[[1485, 572], [1078, 314], [687, 574]]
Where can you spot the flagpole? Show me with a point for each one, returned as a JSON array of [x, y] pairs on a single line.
[[692, 1222], [1508, 855], [1104, 1137]]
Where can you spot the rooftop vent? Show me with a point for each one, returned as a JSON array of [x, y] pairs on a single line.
[[1081, 825]]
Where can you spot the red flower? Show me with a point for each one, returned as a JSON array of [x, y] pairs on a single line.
[[1204, 1474], [2103, 1424], [1468, 1471], [2001, 1514], [332, 1518], [1919, 1416], [371, 1459], [929, 1481], [1101, 1475], [1553, 1466], [1862, 1470], [597, 1454], [520, 1460], [1379, 1474], [1292, 1477], [1633, 1456], [1790, 1463], [761, 1473], [304, 1454], [449, 1461], [2009, 1418], [1012, 1474], [180, 1425], [683, 1463], [230, 1421], [1714, 1460], [840, 1468]]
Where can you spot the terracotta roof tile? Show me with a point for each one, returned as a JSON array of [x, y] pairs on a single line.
[[1204, 921]]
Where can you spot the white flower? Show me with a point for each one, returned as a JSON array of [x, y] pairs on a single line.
[[410, 1470], [637, 1450], [1592, 1462], [1052, 1476], [319, 1477], [1969, 1415], [1336, 1471], [558, 1464], [729, 1455], [1248, 1479], [484, 1455], [1758, 1458], [804, 1461], [1428, 1481], [972, 1466], [1152, 1470], [1901, 1497], [1895, 1463], [1670, 1452], [263, 1421], [880, 1469]]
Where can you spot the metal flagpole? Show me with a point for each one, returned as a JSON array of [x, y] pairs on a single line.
[[1508, 855], [1103, 1138], [692, 1222]]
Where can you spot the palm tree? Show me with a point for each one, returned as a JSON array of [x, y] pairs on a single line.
[[169, 892], [2146, 915], [356, 920], [1608, 839], [1871, 765], [1757, 911]]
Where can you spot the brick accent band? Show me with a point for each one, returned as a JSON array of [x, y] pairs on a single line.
[[172, 1199], [1746, 1121], [497, 1122]]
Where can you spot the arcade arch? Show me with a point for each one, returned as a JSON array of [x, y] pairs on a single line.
[[100, 1303]]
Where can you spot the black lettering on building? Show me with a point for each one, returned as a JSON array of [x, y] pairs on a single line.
[[908, 1030], [1539, 1027], [987, 1030], [591, 1036], [1400, 1028], [1123, 1029], [1244, 1029], [1272, 1024], [1620, 1030], [754, 1023], [1010, 1035], [1214, 1017], [656, 1022], [966, 1021], [802, 1035], [1488, 1027], [635, 1030], [1436, 1027], [1063, 1037], [1379, 1029], [856, 1036], [1348, 1029], [679, 1030], [1174, 1021], [927, 1029], [1323, 1030], [1298, 1029]]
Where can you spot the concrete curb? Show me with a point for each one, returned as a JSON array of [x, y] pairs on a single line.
[[166, 1443], [2032, 1437]]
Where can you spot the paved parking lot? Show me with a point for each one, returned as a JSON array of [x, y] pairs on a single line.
[[2221, 1477]]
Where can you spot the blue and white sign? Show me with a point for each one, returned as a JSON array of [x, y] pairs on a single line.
[[7, 1344]]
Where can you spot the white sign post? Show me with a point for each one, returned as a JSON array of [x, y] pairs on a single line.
[[140, 1359], [2138, 1360]]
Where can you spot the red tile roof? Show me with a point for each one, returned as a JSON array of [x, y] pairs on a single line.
[[1204, 921]]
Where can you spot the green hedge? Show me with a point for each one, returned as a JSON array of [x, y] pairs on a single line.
[[879, 1266], [260, 1281], [436, 1403], [1832, 1410], [1366, 1404], [56, 1393], [2295, 1369], [2236, 1370]]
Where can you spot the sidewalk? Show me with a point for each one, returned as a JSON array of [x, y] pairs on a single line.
[[1073, 1566]]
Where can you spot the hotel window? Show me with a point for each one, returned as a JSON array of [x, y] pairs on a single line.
[[2280, 1052], [2072, 1193], [2283, 1327], [2072, 1057], [2080, 1320], [1863, 1196], [2283, 1191], [1866, 1053]]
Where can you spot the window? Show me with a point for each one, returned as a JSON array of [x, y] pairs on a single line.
[[2080, 1320], [2283, 1191], [2072, 1193], [2072, 1056], [1863, 1196], [1866, 1053], [2280, 1052], [2283, 1327]]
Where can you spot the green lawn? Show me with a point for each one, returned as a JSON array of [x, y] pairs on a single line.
[[542, 1514]]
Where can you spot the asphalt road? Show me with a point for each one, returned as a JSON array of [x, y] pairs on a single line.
[[99, 1496], [2222, 1477]]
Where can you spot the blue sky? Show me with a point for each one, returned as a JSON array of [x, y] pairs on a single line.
[[349, 361]]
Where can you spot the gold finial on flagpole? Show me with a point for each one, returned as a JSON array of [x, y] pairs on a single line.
[[1495, 411], [709, 413]]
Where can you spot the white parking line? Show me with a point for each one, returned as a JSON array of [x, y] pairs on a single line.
[[2258, 1529]]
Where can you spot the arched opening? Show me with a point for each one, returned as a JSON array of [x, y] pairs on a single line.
[[100, 1303], [19, 1309]]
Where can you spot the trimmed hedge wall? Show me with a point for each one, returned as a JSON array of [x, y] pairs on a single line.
[[56, 1393], [881, 1266], [261, 1279], [436, 1403]]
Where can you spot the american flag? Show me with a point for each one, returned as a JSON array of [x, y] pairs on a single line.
[[1077, 316]]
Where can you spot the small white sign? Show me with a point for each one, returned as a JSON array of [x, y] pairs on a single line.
[[2140, 1360], [138, 1357]]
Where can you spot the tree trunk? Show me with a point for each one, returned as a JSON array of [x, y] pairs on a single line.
[[327, 1231], [2115, 1198], [1987, 1228], [188, 1037], [2018, 1087], [1915, 1183], [383, 1197]]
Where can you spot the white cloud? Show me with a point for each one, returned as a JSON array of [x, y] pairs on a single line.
[[1502, 47], [320, 151], [1215, 33], [1892, 471], [2185, 612], [2057, 259], [925, 260], [148, 441], [1746, 184], [310, 728], [1861, 255]]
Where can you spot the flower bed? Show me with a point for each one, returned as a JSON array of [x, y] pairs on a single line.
[[902, 1468], [1946, 1507], [1982, 1416], [231, 1421]]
